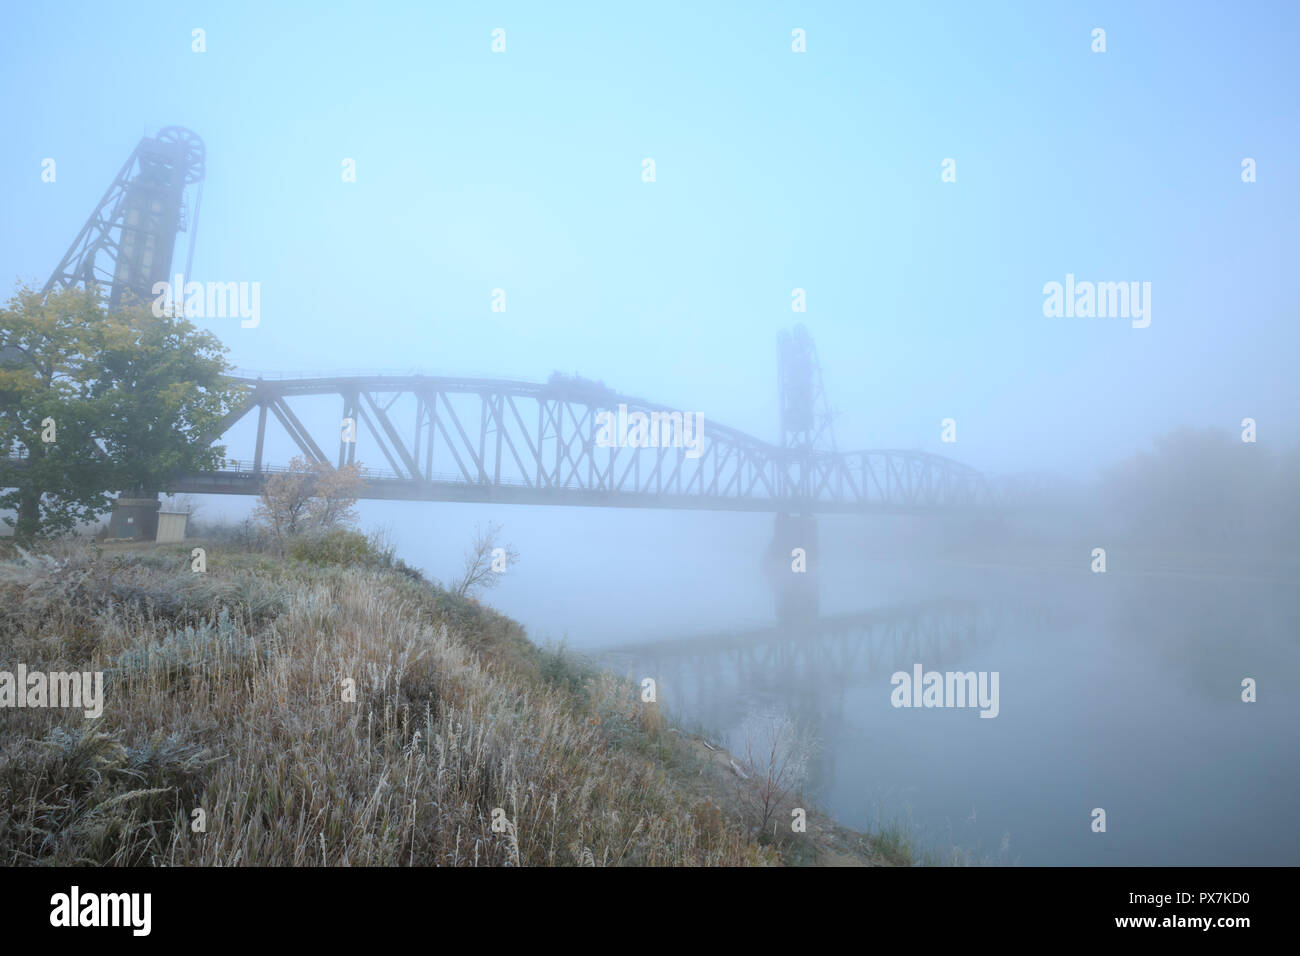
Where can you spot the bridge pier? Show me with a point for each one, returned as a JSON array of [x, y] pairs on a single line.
[[792, 568]]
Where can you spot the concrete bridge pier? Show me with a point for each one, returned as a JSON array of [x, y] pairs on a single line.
[[791, 566]]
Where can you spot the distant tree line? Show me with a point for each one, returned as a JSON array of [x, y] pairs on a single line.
[[1206, 488]]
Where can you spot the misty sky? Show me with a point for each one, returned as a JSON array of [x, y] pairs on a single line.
[[775, 170]]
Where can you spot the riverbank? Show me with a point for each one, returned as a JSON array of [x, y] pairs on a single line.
[[274, 711]]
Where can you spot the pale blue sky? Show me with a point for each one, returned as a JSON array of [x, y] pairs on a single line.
[[522, 170]]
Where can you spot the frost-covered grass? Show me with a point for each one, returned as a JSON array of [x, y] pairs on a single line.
[[307, 714]]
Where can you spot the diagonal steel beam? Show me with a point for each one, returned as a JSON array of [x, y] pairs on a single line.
[[296, 431], [381, 414]]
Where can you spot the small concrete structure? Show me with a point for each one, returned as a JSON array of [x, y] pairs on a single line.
[[171, 526], [134, 519]]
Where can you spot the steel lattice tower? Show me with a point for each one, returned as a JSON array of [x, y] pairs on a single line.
[[128, 241]]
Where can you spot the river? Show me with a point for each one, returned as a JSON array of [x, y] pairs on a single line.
[[1120, 691]]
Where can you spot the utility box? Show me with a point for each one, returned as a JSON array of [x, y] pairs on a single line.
[[171, 526]]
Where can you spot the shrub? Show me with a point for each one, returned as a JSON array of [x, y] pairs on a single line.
[[244, 535], [415, 574], [777, 753], [183, 653], [560, 668], [337, 546], [309, 498]]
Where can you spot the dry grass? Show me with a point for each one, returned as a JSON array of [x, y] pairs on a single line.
[[224, 692]]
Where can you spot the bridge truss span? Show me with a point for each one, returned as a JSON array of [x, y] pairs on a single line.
[[464, 439]]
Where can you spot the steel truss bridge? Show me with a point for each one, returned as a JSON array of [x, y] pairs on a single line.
[[484, 440], [462, 439]]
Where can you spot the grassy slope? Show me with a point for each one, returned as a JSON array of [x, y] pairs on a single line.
[[224, 692]]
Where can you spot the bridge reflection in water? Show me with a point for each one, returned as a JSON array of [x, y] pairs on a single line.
[[809, 669]]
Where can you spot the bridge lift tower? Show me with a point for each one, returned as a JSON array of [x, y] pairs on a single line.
[[127, 242], [127, 245], [807, 429]]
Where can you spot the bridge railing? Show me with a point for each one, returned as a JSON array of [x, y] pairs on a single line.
[[295, 375], [240, 466]]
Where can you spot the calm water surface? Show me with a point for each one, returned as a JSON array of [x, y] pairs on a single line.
[[1119, 690], [1115, 691]]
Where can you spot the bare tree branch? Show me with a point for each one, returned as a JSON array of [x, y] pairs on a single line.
[[484, 563]]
